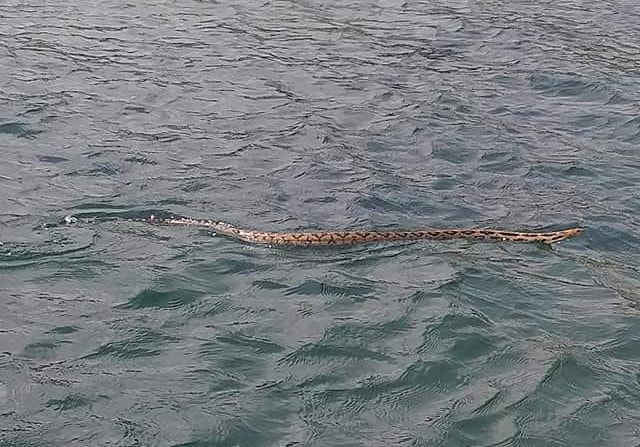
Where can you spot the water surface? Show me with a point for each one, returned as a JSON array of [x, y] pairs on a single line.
[[287, 115]]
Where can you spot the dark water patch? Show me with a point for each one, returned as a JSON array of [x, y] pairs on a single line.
[[268, 285], [555, 171], [321, 381], [564, 378], [444, 184], [451, 150], [437, 376], [42, 349], [499, 162], [317, 288], [421, 380], [451, 324], [19, 130], [465, 333], [63, 330], [143, 343], [234, 266], [21, 255], [207, 308], [623, 347], [506, 357], [52, 159], [70, 402], [559, 86], [260, 429], [489, 405], [106, 169], [141, 160], [194, 186], [24, 439], [472, 346], [260, 346], [361, 333], [244, 362], [168, 299], [487, 429], [323, 352], [221, 385], [377, 203], [422, 296]]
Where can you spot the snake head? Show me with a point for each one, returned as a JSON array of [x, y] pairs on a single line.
[[573, 232]]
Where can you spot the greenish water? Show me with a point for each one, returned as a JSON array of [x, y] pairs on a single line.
[[318, 115]]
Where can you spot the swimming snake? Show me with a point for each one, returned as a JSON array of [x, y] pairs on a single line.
[[320, 238]]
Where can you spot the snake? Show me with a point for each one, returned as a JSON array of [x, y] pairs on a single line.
[[324, 238]]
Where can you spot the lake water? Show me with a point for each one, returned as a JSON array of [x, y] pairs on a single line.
[[302, 115]]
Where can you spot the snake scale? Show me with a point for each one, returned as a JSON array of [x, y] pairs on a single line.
[[320, 238]]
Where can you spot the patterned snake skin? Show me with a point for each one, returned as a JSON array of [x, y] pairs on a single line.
[[361, 237]]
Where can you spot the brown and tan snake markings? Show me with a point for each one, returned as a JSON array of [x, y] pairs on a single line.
[[361, 237]]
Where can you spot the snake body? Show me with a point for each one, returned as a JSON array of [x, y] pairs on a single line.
[[321, 238]]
